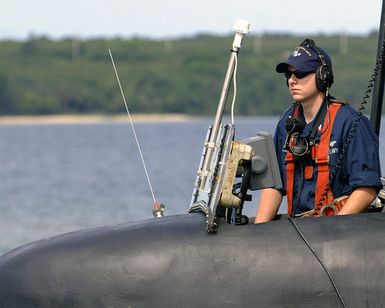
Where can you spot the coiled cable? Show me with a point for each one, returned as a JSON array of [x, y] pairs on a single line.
[[354, 126]]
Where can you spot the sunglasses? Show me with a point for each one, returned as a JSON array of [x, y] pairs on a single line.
[[297, 74]]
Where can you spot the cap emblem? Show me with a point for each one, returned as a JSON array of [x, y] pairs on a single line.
[[295, 53]]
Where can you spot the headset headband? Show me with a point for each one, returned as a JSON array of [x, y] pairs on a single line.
[[324, 73], [311, 44]]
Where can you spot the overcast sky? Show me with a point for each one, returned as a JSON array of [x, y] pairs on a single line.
[[174, 18]]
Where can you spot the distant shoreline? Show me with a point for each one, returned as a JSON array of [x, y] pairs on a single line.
[[85, 119]]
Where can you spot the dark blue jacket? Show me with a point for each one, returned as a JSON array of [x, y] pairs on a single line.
[[360, 165]]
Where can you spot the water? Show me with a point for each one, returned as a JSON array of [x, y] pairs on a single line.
[[60, 178]]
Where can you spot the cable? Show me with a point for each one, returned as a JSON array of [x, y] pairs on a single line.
[[354, 126], [235, 88], [319, 260]]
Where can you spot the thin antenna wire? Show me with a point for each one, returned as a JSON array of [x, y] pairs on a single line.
[[133, 129]]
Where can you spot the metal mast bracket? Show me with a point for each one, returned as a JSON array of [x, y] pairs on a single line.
[[217, 147]]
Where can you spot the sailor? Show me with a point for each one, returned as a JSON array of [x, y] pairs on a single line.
[[327, 152]]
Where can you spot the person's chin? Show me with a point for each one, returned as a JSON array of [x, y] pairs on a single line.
[[296, 97]]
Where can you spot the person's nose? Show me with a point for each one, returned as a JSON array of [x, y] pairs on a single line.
[[292, 80]]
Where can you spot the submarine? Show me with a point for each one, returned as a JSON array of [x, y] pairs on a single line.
[[173, 262], [212, 256]]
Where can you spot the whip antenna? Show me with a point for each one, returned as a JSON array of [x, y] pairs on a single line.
[[158, 209]]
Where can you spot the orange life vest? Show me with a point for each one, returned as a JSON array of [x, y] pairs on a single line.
[[320, 155]]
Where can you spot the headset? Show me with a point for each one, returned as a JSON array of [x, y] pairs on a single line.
[[301, 147], [324, 77]]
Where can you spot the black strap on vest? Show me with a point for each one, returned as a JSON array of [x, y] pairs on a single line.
[[318, 120]]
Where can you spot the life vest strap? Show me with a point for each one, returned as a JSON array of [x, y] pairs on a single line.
[[320, 155], [323, 193], [290, 170]]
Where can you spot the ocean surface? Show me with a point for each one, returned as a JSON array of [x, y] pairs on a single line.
[[57, 178]]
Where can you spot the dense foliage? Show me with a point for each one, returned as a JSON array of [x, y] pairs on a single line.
[[41, 76]]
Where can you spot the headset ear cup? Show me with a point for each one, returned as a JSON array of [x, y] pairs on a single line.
[[318, 80], [324, 77], [329, 77]]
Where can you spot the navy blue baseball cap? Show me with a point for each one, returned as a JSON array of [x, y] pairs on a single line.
[[304, 58]]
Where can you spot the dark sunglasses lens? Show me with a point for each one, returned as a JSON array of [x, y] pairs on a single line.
[[288, 74], [300, 74], [297, 74]]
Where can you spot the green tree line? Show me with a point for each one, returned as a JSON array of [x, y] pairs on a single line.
[[42, 76]]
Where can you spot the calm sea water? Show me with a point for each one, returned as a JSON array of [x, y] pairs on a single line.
[[60, 178]]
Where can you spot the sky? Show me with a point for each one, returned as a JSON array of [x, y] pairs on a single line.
[[167, 19]]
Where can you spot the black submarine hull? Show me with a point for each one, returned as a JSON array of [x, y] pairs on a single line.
[[172, 262]]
